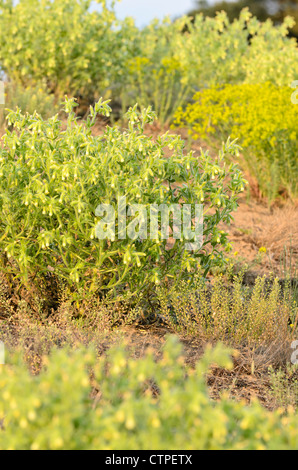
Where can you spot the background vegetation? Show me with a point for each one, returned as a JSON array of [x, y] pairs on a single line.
[[66, 297], [276, 10]]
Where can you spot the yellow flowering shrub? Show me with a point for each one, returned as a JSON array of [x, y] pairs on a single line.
[[264, 119], [54, 176], [172, 60], [140, 404]]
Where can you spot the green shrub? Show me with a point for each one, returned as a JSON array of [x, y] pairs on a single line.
[[245, 50], [264, 119], [91, 54], [75, 50], [138, 404], [52, 181], [171, 60], [155, 74]]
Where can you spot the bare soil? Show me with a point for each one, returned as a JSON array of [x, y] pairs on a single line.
[[265, 238]]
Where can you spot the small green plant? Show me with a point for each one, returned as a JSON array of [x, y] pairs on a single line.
[[53, 179], [138, 404], [230, 312], [284, 386]]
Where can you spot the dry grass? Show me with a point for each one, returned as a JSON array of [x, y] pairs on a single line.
[[281, 231]]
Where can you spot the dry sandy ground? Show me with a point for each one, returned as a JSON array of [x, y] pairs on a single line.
[[256, 227]]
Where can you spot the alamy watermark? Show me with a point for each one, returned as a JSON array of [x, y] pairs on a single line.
[[140, 222]]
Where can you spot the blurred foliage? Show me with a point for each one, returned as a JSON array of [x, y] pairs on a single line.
[[277, 10], [287, 8], [75, 50], [258, 8], [88, 54], [30, 99], [264, 119], [138, 404]]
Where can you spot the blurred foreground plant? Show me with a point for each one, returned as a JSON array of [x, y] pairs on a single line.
[[138, 404]]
